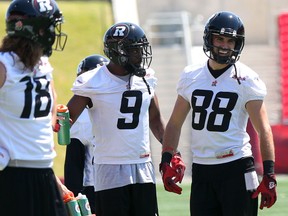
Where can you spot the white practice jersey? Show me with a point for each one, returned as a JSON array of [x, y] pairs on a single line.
[[82, 130], [121, 115], [25, 111], [219, 116]]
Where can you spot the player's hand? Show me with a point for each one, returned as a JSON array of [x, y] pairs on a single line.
[[168, 177], [267, 188], [67, 196], [178, 164], [57, 125]]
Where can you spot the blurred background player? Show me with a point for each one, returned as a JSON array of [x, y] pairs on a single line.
[[28, 110], [78, 168]]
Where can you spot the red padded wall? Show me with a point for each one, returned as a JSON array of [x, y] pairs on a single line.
[[283, 45]]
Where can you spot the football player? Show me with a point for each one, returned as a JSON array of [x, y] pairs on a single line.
[[122, 106], [78, 168], [222, 94], [27, 108]]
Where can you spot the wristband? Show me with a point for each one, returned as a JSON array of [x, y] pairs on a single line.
[[166, 157], [268, 167]]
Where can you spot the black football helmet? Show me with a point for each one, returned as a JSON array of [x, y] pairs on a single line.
[[91, 62], [121, 37], [229, 25], [37, 20]]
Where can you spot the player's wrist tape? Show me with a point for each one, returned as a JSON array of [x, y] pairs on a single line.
[[268, 167], [166, 157]]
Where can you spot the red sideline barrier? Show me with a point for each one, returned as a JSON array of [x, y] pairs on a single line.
[[255, 148], [280, 133], [280, 136], [283, 50]]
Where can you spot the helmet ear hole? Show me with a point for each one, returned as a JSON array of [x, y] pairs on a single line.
[[124, 59]]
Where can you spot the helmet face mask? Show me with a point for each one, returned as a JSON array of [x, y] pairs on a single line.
[[121, 41], [224, 24], [60, 37], [39, 21]]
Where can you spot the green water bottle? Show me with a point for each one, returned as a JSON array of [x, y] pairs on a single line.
[[84, 204], [72, 205], [63, 118]]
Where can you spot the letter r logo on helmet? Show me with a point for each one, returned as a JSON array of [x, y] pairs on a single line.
[[44, 5], [119, 31]]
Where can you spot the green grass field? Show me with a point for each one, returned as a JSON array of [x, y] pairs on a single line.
[[171, 204], [85, 24]]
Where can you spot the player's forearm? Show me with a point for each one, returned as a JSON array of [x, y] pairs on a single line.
[[158, 130], [267, 145], [171, 139], [54, 109]]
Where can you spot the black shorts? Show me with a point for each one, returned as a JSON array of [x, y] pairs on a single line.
[[30, 192], [130, 200], [220, 190]]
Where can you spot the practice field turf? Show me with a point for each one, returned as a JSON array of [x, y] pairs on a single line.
[[171, 204]]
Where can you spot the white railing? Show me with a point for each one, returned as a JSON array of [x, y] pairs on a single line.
[[170, 29]]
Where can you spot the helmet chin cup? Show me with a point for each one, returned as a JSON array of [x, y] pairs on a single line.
[[229, 59], [140, 72], [137, 71]]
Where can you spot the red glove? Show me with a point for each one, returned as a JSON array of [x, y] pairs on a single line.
[[267, 188], [178, 165], [57, 126], [168, 176]]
